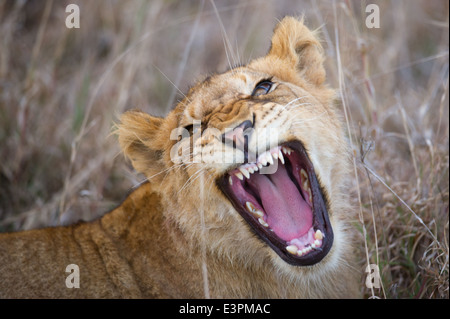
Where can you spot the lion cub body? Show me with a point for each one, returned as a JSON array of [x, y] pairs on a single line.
[[178, 236], [125, 254]]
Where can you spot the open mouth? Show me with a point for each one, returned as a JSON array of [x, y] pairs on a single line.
[[280, 198]]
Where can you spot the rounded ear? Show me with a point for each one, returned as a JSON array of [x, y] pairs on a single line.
[[298, 47], [142, 141]]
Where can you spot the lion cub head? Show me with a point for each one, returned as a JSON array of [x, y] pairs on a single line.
[[253, 161]]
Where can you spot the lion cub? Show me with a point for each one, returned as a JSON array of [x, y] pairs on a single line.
[[247, 196]]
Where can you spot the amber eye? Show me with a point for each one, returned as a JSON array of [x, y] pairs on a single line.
[[262, 88]]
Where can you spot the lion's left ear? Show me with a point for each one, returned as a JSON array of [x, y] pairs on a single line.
[[141, 141], [299, 47]]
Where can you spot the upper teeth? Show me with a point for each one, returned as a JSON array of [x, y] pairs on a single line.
[[245, 171], [281, 157], [286, 150], [265, 158]]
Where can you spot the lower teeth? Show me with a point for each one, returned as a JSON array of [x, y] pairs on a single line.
[[298, 249], [262, 222]]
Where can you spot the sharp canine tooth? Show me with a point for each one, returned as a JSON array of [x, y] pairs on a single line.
[[275, 155], [230, 180], [264, 159], [318, 235], [280, 156], [270, 159], [245, 172], [240, 176], [292, 249]]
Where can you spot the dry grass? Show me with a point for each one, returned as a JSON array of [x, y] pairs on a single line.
[[61, 89]]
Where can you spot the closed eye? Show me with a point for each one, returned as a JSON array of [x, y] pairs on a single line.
[[262, 88], [189, 128], [193, 128]]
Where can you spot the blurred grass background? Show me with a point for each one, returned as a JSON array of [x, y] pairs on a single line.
[[61, 90]]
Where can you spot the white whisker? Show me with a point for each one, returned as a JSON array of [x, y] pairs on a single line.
[[303, 120], [140, 183], [300, 104], [160, 71], [187, 183], [226, 39], [294, 100]]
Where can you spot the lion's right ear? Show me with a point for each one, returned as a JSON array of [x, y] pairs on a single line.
[[298, 48], [141, 138]]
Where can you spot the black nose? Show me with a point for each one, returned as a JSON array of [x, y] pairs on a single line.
[[238, 137], [238, 134]]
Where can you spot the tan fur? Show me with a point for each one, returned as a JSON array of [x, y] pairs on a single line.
[[177, 235]]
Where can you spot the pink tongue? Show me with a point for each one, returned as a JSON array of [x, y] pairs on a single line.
[[287, 213]]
